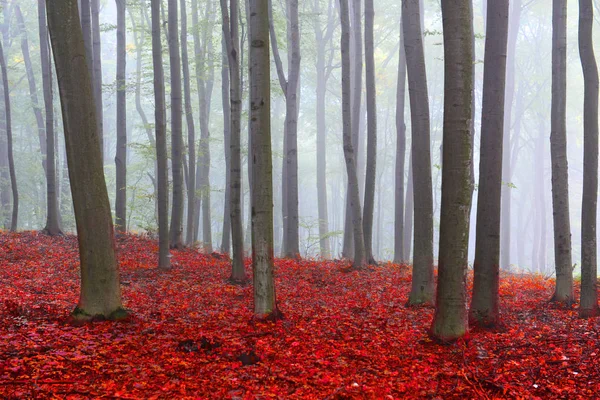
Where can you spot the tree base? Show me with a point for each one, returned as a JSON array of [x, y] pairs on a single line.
[[52, 232], [589, 312], [271, 317], [567, 301], [238, 281], [119, 314]]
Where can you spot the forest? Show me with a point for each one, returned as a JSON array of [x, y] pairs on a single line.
[[320, 199]]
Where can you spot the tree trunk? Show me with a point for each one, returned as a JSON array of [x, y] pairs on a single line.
[[422, 280], [100, 290], [450, 320], [160, 125], [176, 228], [52, 217], [484, 305], [265, 303], [226, 238], [9, 141], [349, 154], [97, 75], [558, 151], [371, 131], [408, 212], [121, 153], [232, 41], [189, 117], [399, 223], [589, 205]]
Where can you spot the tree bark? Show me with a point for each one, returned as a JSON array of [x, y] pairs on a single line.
[[589, 205], [9, 141], [484, 305], [371, 174], [399, 223], [226, 238], [100, 290], [176, 228], [52, 217], [558, 151], [349, 154], [121, 153], [232, 41], [422, 280], [450, 320], [97, 75], [160, 126]]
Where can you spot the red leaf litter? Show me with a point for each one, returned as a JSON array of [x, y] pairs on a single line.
[[344, 335]]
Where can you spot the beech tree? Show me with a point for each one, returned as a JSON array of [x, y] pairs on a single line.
[[422, 291], [9, 141], [484, 306], [450, 320], [121, 153], [399, 203], [589, 262], [100, 290], [558, 151]]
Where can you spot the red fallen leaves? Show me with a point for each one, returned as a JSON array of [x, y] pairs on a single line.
[[344, 335]]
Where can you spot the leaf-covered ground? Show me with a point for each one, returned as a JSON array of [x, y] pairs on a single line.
[[344, 335]]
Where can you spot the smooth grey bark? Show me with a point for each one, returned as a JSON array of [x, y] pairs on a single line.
[[422, 291], [176, 228], [100, 289], [290, 87], [409, 212], [505, 223], [86, 28], [226, 237], [484, 305], [323, 39], [5, 189], [371, 174], [450, 321], [160, 126], [399, 223], [589, 206], [265, 303], [97, 75], [349, 154], [121, 153], [232, 42], [189, 118], [52, 227], [9, 142], [558, 151]]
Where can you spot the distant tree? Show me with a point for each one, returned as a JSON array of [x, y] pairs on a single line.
[[349, 154], [422, 279], [265, 302], [558, 151], [176, 228], [399, 203], [450, 320], [52, 216], [484, 306], [121, 153], [290, 87], [589, 207], [160, 123], [369, 203], [9, 141], [225, 100], [232, 41], [100, 290]]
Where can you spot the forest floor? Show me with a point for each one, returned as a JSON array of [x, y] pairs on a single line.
[[344, 334]]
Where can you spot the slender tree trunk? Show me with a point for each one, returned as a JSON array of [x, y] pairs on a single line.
[[226, 238], [589, 205], [100, 290], [349, 154], [176, 228], [160, 126], [9, 141], [399, 223], [5, 187], [484, 305], [450, 320], [97, 75], [189, 117], [121, 153], [52, 217], [422, 280], [371, 131], [408, 212], [265, 303], [558, 151], [232, 41]]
